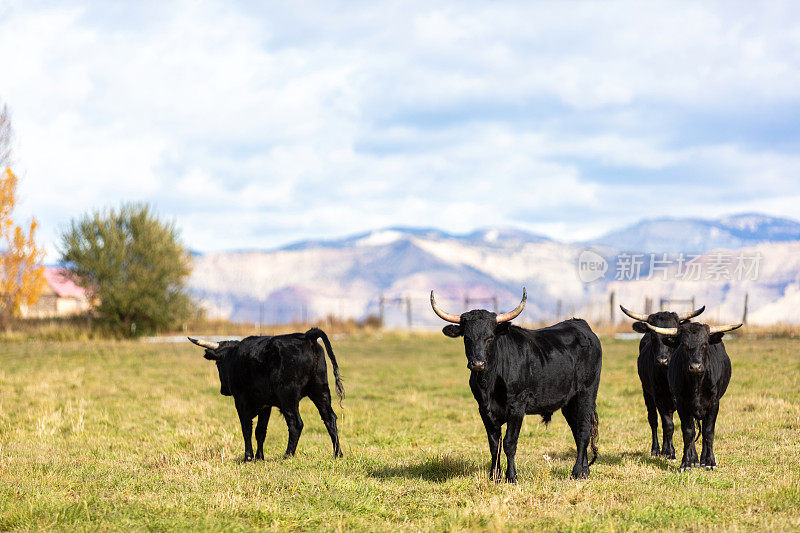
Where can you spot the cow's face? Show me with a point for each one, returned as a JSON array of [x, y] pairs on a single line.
[[694, 339], [479, 329], [662, 319], [219, 356], [222, 369]]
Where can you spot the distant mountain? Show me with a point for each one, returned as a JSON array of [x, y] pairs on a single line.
[[694, 235], [498, 237], [348, 277]]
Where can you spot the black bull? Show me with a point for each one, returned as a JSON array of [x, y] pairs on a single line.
[[518, 372], [699, 372], [654, 356], [264, 371]]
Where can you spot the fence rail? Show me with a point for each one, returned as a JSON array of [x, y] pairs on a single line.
[[404, 311]]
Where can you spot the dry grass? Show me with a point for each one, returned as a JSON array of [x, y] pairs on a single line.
[[332, 325], [84, 328], [121, 435]]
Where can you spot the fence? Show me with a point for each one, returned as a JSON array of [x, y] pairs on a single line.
[[406, 311]]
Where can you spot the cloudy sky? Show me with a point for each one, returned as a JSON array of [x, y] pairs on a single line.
[[256, 124]]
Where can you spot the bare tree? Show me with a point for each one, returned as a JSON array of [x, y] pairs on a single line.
[[5, 138]]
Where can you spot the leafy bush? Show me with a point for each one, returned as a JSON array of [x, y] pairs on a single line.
[[134, 265]]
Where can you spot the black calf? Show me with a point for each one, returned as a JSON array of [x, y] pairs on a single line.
[[265, 372]]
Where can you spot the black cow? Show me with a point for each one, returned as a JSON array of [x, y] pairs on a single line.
[[652, 363], [699, 372], [264, 371], [517, 371]]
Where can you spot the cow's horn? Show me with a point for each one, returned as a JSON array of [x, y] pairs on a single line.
[[664, 331], [635, 316], [691, 314], [205, 344], [455, 319], [505, 317], [723, 329]]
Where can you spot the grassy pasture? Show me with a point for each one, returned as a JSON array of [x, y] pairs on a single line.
[[109, 435]]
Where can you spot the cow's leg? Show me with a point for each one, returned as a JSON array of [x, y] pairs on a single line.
[[668, 426], [247, 429], [295, 424], [652, 418], [493, 433], [707, 458], [578, 413], [261, 430], [510, 445], [323, 402], [687, 429]]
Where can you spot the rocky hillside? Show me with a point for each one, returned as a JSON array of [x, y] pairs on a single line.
[[347, 277]]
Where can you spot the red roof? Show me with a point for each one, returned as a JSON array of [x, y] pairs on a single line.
[[62, 285]]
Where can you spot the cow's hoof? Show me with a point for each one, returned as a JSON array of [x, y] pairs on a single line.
[[511, 478], [259, 456], [709, 467], [248, 458], [684, 468], [338, 455], [654, 453], [580, 473]]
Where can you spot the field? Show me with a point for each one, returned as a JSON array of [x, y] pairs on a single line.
[[109, 435]]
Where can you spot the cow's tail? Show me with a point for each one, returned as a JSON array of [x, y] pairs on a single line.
[[699, 429], [315, 333], [593, 434]]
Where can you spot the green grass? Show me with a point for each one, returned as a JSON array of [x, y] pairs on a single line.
[[119, 435]]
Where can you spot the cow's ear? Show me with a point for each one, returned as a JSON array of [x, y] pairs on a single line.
[[452, 330], [211, 355], [502, 328], [715, 338], [670, 340], [640, 327]]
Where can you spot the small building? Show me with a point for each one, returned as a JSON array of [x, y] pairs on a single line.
[[60, 297]]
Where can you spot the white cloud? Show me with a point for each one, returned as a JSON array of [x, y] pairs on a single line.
[[253, 126]]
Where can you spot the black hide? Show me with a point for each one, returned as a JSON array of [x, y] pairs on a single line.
[[654, 356], [265, 372], [699, 372], [518, 372]]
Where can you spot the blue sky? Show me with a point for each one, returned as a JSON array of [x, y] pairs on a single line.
[[253, 125]]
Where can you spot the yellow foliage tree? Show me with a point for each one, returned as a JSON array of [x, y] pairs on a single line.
[[21, 270]]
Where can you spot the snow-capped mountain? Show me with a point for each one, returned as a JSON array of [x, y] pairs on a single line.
[[692, 235], [348, 277]]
